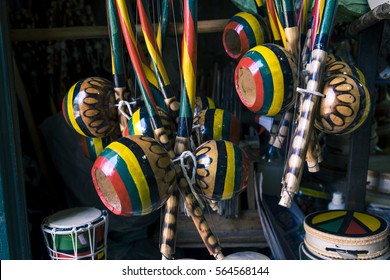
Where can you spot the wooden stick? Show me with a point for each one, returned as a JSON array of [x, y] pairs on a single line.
[[157, 62], [301, 137]]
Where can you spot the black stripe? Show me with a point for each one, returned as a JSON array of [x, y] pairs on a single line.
[[145, 166], [220, 177]]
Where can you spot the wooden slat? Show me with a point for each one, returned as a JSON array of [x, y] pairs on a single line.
[[99, 32]]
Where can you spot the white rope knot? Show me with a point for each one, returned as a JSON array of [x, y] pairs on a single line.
[[306, 91], [128, 104], [195, 128], [182, 159]]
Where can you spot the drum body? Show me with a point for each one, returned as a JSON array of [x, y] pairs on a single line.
[[345, 235], [76, 233]]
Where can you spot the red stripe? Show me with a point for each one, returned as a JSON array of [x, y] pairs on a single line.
[[234, 130], [316, 21], [245, 170], [189, 33], [104, 165], [247, 62], [135, 59]]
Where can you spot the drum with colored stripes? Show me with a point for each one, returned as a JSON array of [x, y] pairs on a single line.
[[89, 107], [346, 234], [93, 146], [133, 176], [345, 106], [203, 103], [221, 169], [265, 79], [76, 233], [139, 124], [342, 67], [244, 31], [213, 124]]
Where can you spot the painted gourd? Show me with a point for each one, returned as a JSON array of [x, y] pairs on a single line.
[[265, 79], [214, 124], [345, 106], [89, 107], [244, 31], [342, 67], [133, 176], [93, 146], [202, 103], [332, 58], [139, 124], [221, 169]]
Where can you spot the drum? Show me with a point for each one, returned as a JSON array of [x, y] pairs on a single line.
[[345, 235], [76, 233]]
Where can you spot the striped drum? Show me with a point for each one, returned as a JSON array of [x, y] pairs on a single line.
[[221, 169], [93, 146], [213, 124], [203, 103], [244, 31], [133, 176], [265, 79], [139, 124], [89, 107], [345, 234], [76, 233], [345, 106]]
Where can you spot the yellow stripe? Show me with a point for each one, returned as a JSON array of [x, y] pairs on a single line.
[[125, 14], [282, 33], [150, 75], [136, 173], [98, 144], [252, 20], [327, 216], [113, 63], [189, 77], [135, 118], [322, 7], [159, 37], [230, 171], [217, 126], [371, 222], [259, 3], [69, 103], [157, 59], [277, 80], [211, 103], [274, 28]]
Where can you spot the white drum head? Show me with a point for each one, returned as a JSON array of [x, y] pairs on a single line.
[[375, 3], [72, 217], [246, 255]]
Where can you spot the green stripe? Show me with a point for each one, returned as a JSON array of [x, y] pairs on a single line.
[[266, 74], [145, 166], [123, 171]]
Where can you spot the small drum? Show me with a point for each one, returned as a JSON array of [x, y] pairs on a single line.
[[345, 234], [76, 233]]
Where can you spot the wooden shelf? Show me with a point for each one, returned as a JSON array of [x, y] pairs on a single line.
[[99, 32], [246, 231]]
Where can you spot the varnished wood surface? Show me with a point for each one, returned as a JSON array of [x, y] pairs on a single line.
[[96, 32]]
